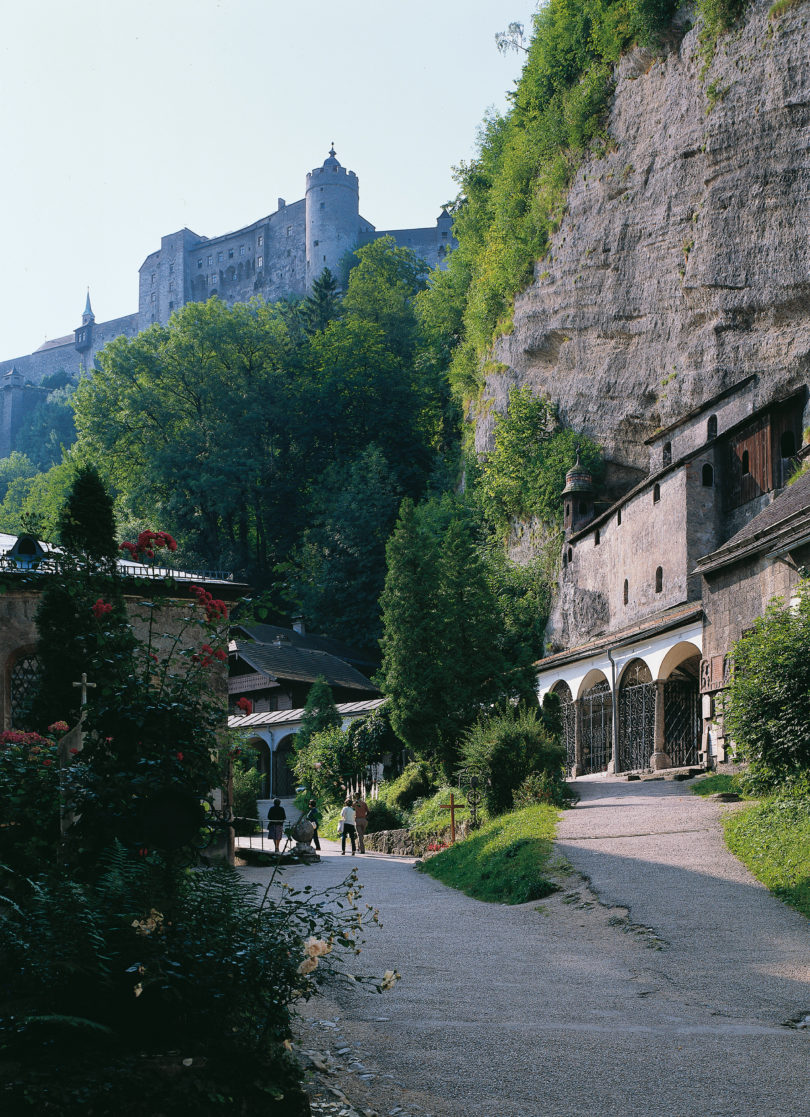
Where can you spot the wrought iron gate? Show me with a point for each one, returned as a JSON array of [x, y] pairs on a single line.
[[636, 717], [568, 714], [24, 680], [682, 722], [597, 727]]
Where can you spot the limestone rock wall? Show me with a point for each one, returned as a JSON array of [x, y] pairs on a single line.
[[683, 262]]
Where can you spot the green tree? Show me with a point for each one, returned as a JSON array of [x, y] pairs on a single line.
[[443, 632], [49, 429], [320, 713], [322, 305], [338, 571], [81, 618], [382, 290], [767, 706]]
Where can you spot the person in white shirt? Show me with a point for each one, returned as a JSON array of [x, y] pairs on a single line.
[[347, 817]]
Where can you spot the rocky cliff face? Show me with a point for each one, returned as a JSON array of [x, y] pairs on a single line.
[[683, 262]]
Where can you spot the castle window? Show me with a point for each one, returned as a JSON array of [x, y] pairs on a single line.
[[787, 444], [619, 518], [171, 306], [260, 261], [570, 554], [171, 269], [656, 493], [659, 579], [444, 234], [210, 261], [152, 297], [323, 205], [199, 262], [596, 538], [746, 463], [171, 284], [317, 242], [626, 592], [261, 241], [153, 279], [220, 257], [230, 253], [567, 509], [707, 476], [241, 250], [711, 427], [666, 454]]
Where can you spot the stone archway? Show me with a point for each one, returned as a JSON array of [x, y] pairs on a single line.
[[636, 715], [596, 732], [569, 717]]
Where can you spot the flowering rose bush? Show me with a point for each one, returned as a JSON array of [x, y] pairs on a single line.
[[29, 799], [147, 544]]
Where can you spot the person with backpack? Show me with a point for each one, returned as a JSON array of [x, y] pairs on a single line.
[[314, 816]]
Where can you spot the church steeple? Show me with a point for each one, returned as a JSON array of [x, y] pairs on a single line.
[[87, 315], [84, 334]]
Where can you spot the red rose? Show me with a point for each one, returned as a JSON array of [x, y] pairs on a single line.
[[179, 755]]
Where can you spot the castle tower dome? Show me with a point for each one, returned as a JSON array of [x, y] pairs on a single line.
[[332, 216], [578, 496]]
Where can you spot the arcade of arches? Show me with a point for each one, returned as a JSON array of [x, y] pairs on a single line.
[[658, 718]]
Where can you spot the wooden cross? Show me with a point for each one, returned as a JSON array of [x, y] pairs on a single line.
[[451, 807], [83, 683]]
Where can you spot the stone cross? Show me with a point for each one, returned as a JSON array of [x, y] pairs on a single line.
[[83, 683]]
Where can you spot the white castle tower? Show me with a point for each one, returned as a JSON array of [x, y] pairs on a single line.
[[332, 217]]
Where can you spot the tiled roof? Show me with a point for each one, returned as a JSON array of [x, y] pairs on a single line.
[[658, 622], [302, 664], [268, 633], [786, 519], [279, 717]]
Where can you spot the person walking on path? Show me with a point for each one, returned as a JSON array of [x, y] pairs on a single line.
[[276, 817], [347, 817], [361, 821], [314, 816]]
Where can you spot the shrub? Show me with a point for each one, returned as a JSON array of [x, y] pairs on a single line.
[[414, 782], [506, 748], [382, 816], [767, 705], [544, 787], [146, 991], [247, 782]]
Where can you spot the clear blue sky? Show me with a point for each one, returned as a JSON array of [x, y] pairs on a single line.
[[125, 120]]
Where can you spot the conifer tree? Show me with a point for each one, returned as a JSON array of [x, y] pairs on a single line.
[[322, 305], [320, 713], [81, 617]]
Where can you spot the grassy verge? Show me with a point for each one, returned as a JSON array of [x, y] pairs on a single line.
[[710, 785], [503, 862], [772, 839]]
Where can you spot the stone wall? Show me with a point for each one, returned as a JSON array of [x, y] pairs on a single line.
[[735, 596]]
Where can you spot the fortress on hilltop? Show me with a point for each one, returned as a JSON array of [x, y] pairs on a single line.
[[278, 256]]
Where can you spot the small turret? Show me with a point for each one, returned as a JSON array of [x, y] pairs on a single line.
[[578, 495], [83, 335]]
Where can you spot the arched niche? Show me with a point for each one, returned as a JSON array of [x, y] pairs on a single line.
[[679, 653], [590, 680]]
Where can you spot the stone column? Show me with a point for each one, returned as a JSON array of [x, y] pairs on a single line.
[[579, 767], [659, 758]]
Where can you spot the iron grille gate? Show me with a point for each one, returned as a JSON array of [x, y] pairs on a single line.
[[24, 679], [636, 718], [597, 728], [682, 722], [568, 714]]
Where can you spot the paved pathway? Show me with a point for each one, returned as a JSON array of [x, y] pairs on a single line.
[[657, 984]]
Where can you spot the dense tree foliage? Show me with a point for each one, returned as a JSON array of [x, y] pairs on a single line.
[[444, 631], [767, 706]]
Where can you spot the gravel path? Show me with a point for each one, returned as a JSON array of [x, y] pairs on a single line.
[[658, 982]]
